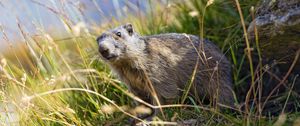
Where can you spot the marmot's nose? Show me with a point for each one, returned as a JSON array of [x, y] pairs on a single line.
[[104, 50]]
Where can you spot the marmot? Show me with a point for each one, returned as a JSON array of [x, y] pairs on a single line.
[[167, 62]]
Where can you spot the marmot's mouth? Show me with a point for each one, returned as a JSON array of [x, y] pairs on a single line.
[[111, 57]]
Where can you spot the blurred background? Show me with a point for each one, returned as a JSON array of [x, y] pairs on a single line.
[[50, 15]]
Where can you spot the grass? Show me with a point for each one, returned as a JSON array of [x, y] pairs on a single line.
[[63, 82]]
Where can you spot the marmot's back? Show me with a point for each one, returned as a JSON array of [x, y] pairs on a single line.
[[171, 62]]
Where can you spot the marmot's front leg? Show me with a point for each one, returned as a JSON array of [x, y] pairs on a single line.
[[147, 116], [143, 116]]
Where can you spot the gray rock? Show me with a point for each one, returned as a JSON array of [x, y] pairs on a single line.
[[278, 25]]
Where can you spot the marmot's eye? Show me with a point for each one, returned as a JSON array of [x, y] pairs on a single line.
[[118, 34]]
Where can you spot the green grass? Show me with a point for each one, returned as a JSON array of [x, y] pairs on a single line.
[[63, 82]]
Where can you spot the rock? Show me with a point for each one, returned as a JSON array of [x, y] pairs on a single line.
[[278, 25]]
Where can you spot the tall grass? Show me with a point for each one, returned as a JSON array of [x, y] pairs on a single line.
[[47, 81]]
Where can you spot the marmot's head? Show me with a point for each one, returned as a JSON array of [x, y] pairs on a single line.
[[121, 43]]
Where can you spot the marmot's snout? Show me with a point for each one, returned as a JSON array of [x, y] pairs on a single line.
[[106, 48]]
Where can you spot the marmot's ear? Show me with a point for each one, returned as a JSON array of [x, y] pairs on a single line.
[[129, 28]]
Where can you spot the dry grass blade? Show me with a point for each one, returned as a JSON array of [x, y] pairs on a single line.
[[248, 51], [281, 119]]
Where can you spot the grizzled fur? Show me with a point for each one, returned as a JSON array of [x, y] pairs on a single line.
[[167, 61]]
